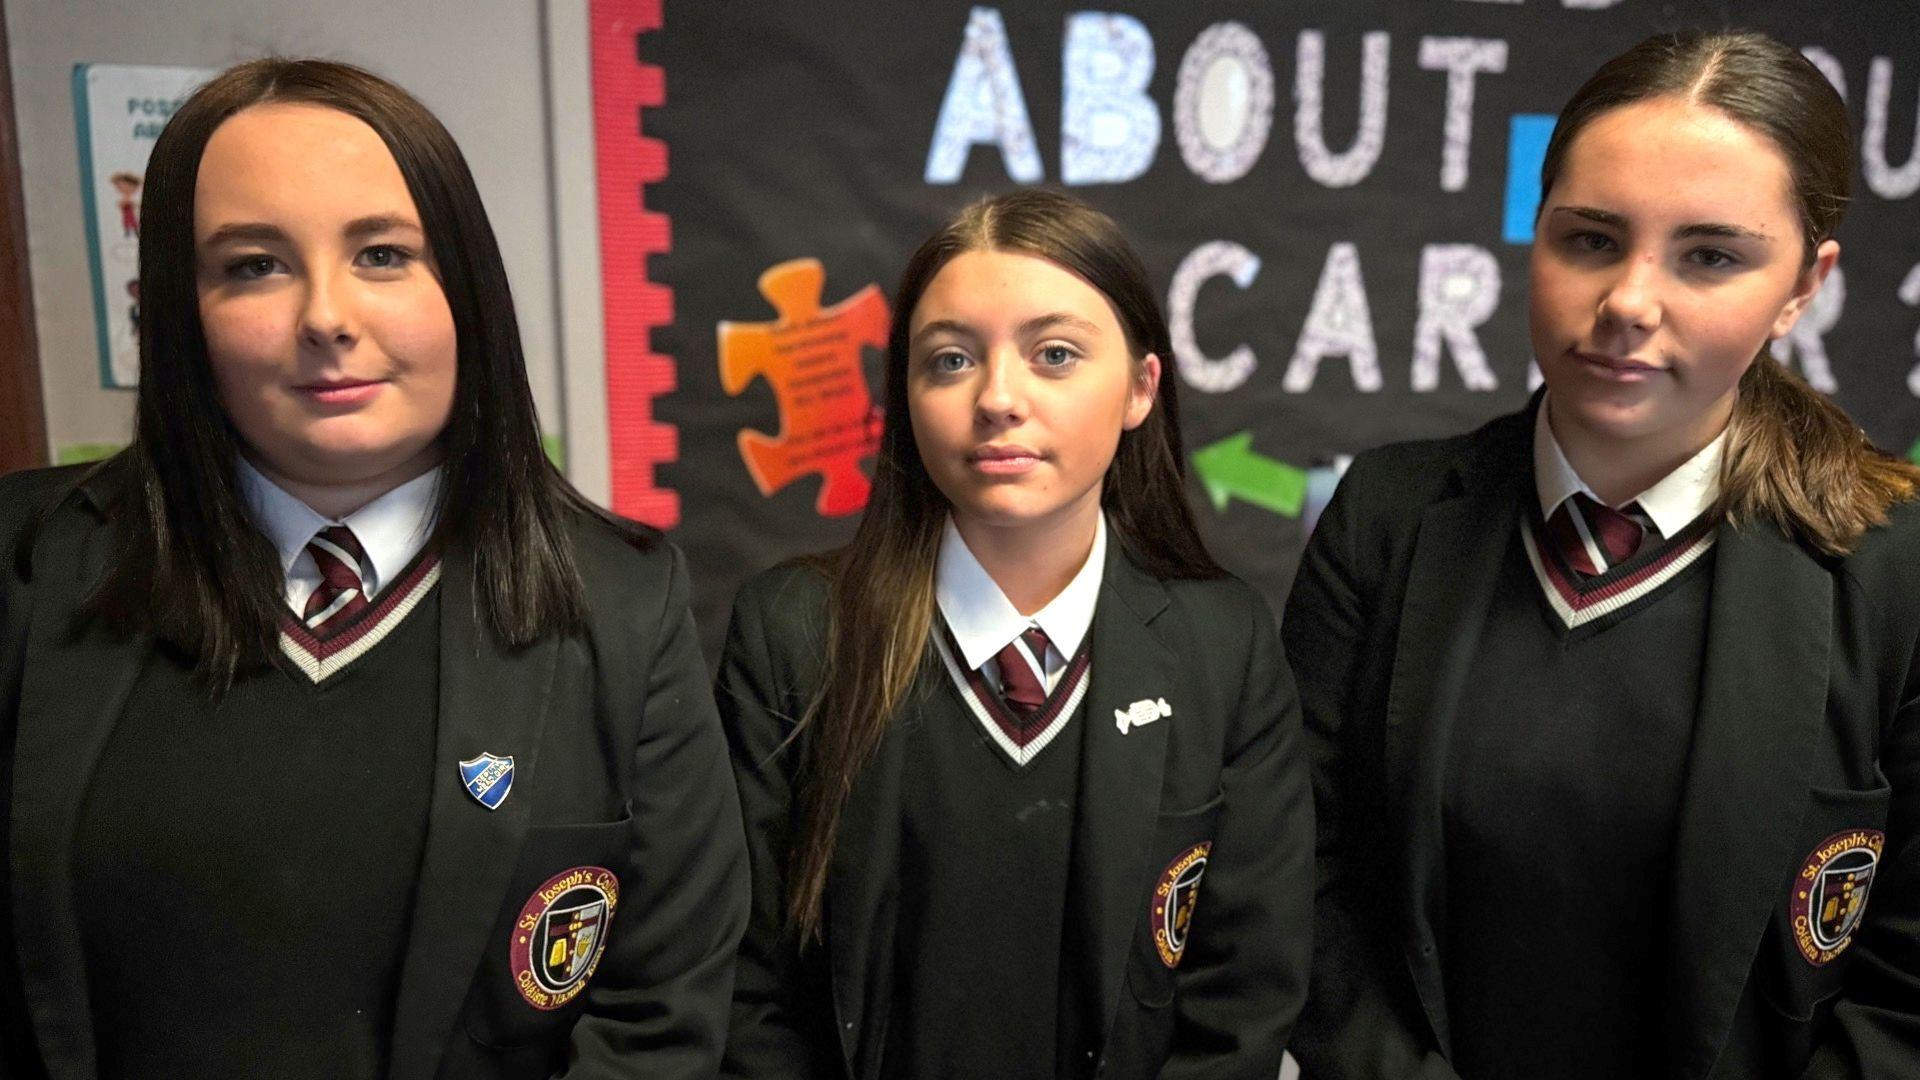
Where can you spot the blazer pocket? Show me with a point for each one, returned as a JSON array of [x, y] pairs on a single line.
[[552, 929], [1182, 842], [1824, 900]]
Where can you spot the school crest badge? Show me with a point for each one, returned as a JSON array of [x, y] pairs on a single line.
[[1830, 892], [560, 935], [1174, 898], [488, 779]]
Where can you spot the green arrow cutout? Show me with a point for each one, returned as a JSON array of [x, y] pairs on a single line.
[[1230, 469]]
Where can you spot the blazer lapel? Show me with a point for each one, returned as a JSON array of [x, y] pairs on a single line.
[[1455, 564], [1120, 777], [74, 688], [492, 700], [1763, 690], [863, 885]]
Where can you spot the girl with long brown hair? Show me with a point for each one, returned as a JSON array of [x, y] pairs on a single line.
[[1021, 766], [1615, 702]]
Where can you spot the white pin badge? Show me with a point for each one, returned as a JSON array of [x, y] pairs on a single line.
[[1144, 711]]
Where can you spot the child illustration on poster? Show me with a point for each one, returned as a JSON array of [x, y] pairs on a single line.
[[119, 110]]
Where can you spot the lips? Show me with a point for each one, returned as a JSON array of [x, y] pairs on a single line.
[[1005, 459], [341, 391], [1619, 367]]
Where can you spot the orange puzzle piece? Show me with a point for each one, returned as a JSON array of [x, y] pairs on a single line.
[[811, 357]]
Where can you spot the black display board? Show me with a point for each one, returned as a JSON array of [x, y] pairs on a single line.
[[1332, 198]]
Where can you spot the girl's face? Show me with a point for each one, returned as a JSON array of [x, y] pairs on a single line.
[[1669, 252], [330, 340], [1019, 384]]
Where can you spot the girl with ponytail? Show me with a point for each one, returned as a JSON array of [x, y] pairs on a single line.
[[1615, 702]]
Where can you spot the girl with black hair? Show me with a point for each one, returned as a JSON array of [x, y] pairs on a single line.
[[1615, 702], [1021, 766], [339, 736]]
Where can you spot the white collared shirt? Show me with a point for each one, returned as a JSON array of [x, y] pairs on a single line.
[[392, 529], [1671, 504], [983, 620]]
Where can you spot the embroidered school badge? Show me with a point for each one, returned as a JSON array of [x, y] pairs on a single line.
[[1173, 901], [488, 779], [1830, 892], [560, 934]]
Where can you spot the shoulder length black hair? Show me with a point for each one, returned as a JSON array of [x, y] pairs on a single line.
[[189, 566]]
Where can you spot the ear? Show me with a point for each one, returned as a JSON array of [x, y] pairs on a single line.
[[1824, 258], [1141, 394]]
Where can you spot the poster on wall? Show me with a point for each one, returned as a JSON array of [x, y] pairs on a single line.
[[119, 110], [1334, 201]]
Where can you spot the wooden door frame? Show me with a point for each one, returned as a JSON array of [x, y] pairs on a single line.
[[23, 421]]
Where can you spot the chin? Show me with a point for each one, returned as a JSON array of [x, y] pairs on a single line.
[[1005, 513], [997, 516], [1608, 416], [352, 463]]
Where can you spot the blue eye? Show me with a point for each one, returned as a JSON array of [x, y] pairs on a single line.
[[1057, 356], [251, 267], [948, 363], [385, 257]]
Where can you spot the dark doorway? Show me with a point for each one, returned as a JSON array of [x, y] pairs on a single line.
[[23, 425]]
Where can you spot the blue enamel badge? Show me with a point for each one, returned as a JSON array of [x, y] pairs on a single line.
[[488, 779]]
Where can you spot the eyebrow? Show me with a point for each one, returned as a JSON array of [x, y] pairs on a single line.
[[1716, 229], [379, 223], [1026, 329], [228, 234], [1592, 213], [1722, 231], [261, 232], [942, 326], [1057, 318]]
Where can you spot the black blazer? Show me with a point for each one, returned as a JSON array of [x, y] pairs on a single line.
[[619, 763], [1808, 726], [1226, 766]]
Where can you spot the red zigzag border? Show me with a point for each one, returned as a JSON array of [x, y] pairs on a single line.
[[626, 161]]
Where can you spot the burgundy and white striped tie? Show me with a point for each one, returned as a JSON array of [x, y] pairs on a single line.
[[1615, 535], [340, 596], [1020, 688]]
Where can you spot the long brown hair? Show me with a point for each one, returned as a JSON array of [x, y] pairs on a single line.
[[188, 565], [880, 593], [1793, 457]]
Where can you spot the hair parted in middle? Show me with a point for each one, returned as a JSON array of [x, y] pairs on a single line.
[[189, 566], [1793, 457], [880, 586]]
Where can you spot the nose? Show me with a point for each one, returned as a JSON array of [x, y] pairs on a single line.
[[1002, 401], [1631, 303], [326, 319]]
